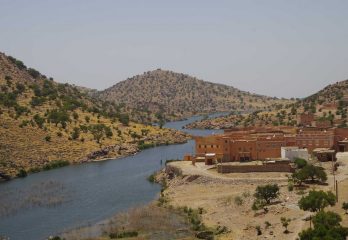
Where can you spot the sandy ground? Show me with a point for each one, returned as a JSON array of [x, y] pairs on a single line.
[[203, 187]]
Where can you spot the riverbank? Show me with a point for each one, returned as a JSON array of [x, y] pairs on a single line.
[[103, 152], [96, 191]]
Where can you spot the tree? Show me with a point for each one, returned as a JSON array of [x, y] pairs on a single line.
[[75, 116], [345, 207], [309, 172], [59, 116], [300, 163], [285, 222], [299, 177], [76, 133], [317, 200], [326, 226], [39, 120], [267, 192], [124, 119]]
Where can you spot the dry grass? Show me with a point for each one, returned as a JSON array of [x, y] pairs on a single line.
[[151, 222]]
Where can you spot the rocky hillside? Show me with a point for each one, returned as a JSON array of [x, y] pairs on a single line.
[[171, 95], [44, 124], [329, 107]]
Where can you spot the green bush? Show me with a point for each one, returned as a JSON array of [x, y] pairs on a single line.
[[39, 120], [22, 173], [76, 133], [55, 164], [125, 234], [34, 73]]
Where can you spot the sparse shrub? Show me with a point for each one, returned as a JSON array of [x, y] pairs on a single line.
[[267, 224], [290, 186], [48, 138], [285, 223], [75, 116], [152, 178], [238, 201], [258, 230]]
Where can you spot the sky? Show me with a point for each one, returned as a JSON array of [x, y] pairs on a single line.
[[272, 47]]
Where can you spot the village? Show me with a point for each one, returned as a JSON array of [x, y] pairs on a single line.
[[222, 175], [242, 149]]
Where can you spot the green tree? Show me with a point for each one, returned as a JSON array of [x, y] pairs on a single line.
[[124, 119], [326, 226], [345, 207], [267, 192], [317, 200], [59, 116], [309, 172], [39, 120], [299, 177], [300, 163], [76, 133]]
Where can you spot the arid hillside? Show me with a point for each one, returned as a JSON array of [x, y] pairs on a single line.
[[171, 95], [44, 124], [328, 107]]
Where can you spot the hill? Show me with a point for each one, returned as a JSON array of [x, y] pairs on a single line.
[[44, 124], [326, 108], [169, 95]]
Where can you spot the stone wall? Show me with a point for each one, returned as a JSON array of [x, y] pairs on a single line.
[[269, 167]]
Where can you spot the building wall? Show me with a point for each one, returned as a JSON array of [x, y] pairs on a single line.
[[315, 139], [209, 144], [253, 145], [275, 167]]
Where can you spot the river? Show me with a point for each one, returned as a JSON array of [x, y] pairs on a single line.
[[48, 203]]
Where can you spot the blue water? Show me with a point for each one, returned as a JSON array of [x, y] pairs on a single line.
[[86, 193]]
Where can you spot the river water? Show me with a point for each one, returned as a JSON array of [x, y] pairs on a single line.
[[54, 201]]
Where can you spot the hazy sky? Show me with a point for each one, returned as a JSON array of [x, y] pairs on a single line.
[[279, 48]]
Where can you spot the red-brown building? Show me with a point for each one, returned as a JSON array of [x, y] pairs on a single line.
[[265, 143]]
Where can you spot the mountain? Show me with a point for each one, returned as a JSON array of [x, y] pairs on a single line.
[[173, 95], [326, 108], [44, 124]]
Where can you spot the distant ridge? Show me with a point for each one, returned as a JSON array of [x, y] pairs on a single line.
[[178, 95]]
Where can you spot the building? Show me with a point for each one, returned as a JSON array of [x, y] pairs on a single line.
[[248, 144], [305, 119], [292, 153]]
